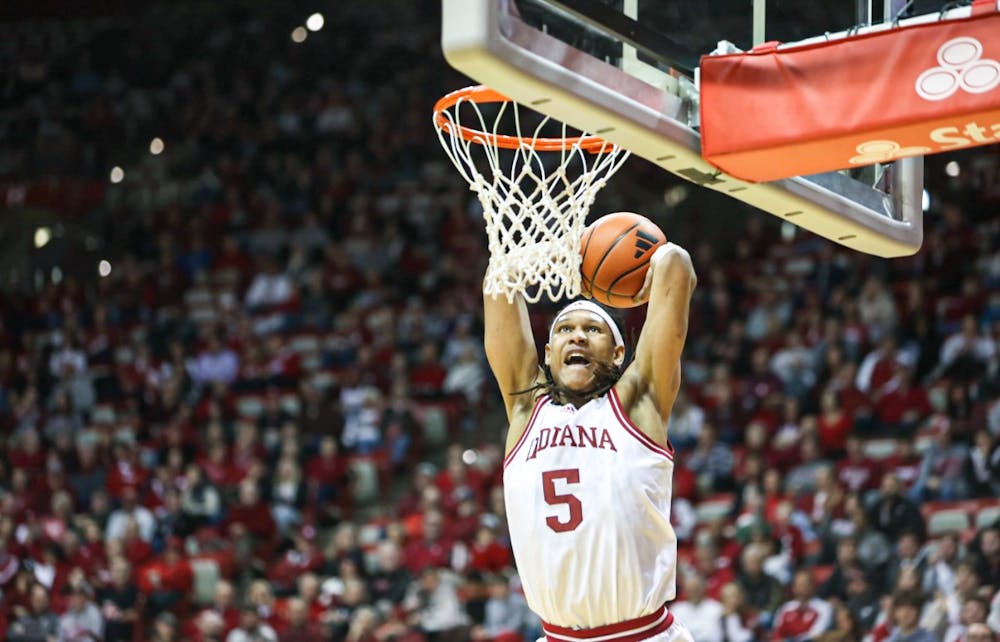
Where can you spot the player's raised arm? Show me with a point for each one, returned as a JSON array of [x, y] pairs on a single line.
[[669, 285], [510, 349]]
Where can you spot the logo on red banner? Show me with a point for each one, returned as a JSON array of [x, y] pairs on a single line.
[[962, 67]]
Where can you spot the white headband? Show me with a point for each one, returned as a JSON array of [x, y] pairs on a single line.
[[594, 309]]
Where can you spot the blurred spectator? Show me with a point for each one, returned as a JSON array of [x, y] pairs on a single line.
[[119, 603], [803, 617], [506, 613], [738, 621], [686, 420], [223, 608], [299, 628], [432, 548], [941, 468], [165, 628], [906, 608], [199, 500], [251, 628], [845, 627], [982, 466], [168, 579], [82, 620], [966, 354], [288, 494], [251, 525], [433, 604], [389, 580], [702, 615], [893, 514], [711, 461], [762, 591], [941, 564], [214, 363], [37, 622], [130, 510], [877, 309], [989, 555]]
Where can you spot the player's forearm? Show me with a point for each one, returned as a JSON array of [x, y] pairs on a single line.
[[510, 348]]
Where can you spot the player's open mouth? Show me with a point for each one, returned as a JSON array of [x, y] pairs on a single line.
[[576, 360]]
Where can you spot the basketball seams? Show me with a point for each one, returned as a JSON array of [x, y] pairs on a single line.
[[610, 248], [640, 266]]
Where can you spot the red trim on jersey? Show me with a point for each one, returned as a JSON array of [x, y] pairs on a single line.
[[531, 420], [644, 439], [641, 628]]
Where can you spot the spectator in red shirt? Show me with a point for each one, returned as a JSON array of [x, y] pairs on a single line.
[[803, 617], [900, 405], [27, 453], [432, 549], [250, 523], [427, 375], [126, 471], [713, 568], [167, 580], [217, 466], [301, 558], [136, 549], [904, 464], [856, 472], [299, 627], [486, 554], [833, 425], [327, 472]]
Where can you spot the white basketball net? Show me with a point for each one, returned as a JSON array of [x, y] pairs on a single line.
[[534, 214]]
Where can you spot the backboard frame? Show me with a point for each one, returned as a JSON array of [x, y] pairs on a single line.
[[488, 41]]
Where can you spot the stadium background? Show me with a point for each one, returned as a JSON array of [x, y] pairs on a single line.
[[242, 384]]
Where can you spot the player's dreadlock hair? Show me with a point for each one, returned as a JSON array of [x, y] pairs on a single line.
[[605, 376]]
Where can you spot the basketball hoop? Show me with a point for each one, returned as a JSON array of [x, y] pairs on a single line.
[[533, 206]]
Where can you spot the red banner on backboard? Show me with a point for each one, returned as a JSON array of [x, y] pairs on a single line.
[[910, 91]]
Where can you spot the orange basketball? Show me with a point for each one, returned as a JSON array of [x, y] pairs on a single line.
[[616, 249]]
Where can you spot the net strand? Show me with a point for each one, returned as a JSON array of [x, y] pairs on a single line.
[[534, 215]]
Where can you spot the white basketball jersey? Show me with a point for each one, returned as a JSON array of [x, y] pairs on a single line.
[[588, 506]]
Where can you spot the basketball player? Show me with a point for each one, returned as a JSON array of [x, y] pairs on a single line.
[[588, 467]]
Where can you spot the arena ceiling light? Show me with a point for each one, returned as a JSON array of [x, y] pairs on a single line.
[[42, 237], [315, 22]]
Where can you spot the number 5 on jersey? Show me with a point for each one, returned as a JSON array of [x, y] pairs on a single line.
[[553, 498]]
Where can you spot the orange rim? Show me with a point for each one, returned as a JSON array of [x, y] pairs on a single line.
[[481, 94]]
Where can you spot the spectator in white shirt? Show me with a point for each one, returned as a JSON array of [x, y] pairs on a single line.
[[215, 363], [270, 287], [130, 509], [734, 620], [702, 615]]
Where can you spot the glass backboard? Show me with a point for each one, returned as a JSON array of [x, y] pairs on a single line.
[[627, 70]]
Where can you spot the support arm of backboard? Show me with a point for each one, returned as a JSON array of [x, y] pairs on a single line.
[[486, 40]]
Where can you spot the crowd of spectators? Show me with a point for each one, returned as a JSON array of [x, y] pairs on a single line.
[[273, 420]]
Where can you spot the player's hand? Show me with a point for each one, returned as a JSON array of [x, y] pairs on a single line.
[[643, 294]]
